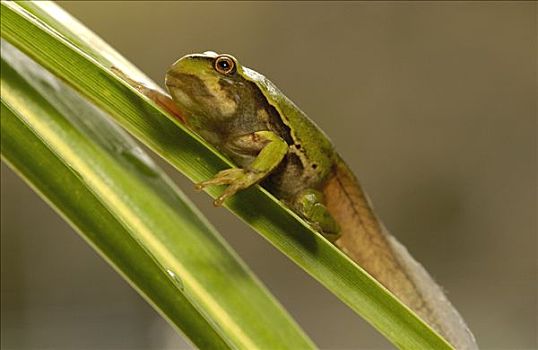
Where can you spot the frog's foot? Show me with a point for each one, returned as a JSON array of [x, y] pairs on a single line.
[[236, 179], [309, 204], [271, 150]]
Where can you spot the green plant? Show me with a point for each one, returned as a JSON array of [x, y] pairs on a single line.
[[117, 180]]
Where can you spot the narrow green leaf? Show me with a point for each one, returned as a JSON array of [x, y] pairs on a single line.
[[54, 45], [99, 180]]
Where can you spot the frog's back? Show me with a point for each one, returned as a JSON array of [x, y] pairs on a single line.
[[311, 156]]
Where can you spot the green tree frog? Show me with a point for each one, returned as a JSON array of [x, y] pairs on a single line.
[[275, 144]]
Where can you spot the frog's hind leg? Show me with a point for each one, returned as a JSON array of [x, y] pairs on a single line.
[[310, 205]]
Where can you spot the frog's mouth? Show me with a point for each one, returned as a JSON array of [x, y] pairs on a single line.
[[185, 90]]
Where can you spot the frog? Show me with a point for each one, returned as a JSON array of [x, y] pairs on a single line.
[[273, 143], [246, 117]]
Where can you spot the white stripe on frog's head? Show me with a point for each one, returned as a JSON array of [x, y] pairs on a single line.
[[212, 54]]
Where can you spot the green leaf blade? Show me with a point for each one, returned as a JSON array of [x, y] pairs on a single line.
[[92, 172]]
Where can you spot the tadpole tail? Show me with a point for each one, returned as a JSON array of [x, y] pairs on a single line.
[[366, 241]]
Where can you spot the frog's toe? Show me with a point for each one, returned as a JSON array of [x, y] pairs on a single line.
[[236, 179], [224, 177], [219, 201]]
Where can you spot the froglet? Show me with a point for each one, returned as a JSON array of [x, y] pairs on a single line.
[[275, 144]]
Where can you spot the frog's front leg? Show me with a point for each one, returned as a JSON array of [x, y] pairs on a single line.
[[310, 205], [272, 149], [160, 98]]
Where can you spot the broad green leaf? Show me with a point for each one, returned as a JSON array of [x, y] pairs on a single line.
[[76, 55], [101, 181]]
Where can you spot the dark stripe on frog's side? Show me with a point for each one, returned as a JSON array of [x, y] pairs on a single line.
[[291, 176]]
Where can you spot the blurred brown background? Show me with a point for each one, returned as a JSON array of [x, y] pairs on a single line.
[[432, 104]]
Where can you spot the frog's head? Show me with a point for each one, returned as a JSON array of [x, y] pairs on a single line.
[[209, 89]]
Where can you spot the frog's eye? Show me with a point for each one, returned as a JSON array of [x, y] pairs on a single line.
[[224, 64]]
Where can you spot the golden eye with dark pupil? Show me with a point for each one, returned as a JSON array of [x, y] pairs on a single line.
[[224, 64]]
